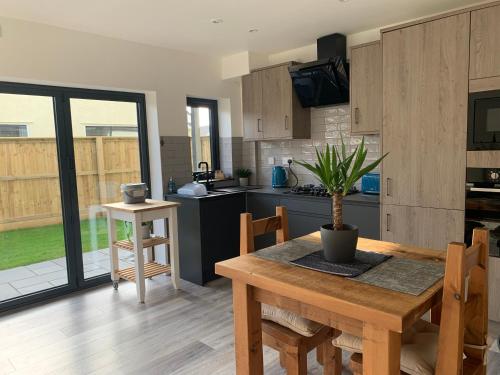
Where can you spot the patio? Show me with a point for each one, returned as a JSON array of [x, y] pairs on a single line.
[[32, 278]]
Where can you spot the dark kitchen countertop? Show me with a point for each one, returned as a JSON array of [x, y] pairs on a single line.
[[353, 198], [357, 198]]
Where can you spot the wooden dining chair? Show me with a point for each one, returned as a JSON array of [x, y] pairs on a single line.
[[290, 334], [458, 345]]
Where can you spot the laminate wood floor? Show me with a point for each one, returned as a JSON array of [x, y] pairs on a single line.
[[100, 331]]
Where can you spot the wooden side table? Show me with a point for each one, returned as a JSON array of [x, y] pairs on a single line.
[[136, 214]]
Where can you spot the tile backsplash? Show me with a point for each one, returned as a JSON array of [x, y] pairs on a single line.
[[328, 125]]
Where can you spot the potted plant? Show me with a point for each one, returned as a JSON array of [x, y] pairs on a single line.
[[146, 228], [243, 175], [338, 172]]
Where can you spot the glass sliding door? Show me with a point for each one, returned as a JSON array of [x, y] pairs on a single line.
[[32, 243], [63, 153], [107, 154]]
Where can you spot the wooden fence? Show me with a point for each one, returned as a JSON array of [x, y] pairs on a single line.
[[29, 177]]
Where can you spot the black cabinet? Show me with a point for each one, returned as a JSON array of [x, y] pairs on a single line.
[[308, 214], [261, 206], [209, 231]]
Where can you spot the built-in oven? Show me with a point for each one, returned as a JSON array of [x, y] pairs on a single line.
[[482, 205], [484, 121]]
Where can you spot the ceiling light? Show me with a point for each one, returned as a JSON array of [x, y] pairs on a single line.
[[216, 20], [253, 30]]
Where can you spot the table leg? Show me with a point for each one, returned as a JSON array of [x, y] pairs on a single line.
[[381, 351], [113, 251], [174, 247], [247, 331], [139, 260]]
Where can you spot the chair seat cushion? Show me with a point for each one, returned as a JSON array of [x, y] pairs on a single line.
[[288, 319], [418, 350]]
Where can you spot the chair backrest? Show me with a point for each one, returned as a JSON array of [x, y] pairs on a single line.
[[250, 228], [464, 316]]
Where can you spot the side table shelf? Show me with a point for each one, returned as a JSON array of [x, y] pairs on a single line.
[[150, 269], [150, 242]]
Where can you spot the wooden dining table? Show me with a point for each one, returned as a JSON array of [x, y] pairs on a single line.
[[377, 314]]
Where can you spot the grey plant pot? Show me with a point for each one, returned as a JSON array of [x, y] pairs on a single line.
[[339, 246]]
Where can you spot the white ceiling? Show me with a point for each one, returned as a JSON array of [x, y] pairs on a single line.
[[185, 24]]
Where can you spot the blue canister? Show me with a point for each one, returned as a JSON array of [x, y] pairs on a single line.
[[370, 183], [279, 177]]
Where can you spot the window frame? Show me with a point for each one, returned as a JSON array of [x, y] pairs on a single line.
[[19, 126], [213, 107]]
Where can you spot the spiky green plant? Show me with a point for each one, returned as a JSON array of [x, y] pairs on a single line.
[[338, 172]]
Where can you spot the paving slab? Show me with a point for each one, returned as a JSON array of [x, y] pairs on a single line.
[[35, 288], [13, 274], [39, 279], [8, 292]]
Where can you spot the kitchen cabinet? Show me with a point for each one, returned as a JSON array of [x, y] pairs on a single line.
[[209, 232], [308, 214], [366, 88], [424, 227], [425, 95], [252, 105], [271, 109], [494, 289], [485, 43]]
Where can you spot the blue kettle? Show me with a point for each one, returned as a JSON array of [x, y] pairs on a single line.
[[279, 178]]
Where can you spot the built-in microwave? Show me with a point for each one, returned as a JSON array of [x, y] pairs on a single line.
[[484, 121]]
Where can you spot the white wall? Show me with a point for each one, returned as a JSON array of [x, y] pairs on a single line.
[[32, 52]]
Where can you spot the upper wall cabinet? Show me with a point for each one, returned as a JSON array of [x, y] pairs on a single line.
[[425, 94], [271, 109], [366, 88], [485, 43]]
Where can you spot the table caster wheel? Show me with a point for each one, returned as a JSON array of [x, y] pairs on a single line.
[[115, 285]]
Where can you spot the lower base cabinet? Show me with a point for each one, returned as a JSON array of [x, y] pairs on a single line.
[[494, 289], [308, 214], [422, 226]]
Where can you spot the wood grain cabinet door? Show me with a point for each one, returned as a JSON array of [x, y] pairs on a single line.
[[485, 43], [425, 94], [424, 227], [276, 103], [251, 94], [366, 88]]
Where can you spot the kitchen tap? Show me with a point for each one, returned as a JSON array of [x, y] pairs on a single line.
[[207, 180]]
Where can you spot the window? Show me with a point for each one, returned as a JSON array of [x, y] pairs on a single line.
[[108, 131], [202, 126], [13, 130]]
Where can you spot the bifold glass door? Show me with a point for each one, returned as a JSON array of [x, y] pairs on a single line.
[[32, 248], [63, 153]]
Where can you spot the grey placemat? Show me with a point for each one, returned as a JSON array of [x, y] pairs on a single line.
[[364, 260], [404, 275], [398, 274]]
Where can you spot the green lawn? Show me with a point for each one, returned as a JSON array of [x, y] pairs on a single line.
[[21, 247]]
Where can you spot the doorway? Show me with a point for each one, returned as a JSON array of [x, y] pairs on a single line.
[[63, 153]]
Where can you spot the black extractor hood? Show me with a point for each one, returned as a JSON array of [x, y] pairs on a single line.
[[325, 81]]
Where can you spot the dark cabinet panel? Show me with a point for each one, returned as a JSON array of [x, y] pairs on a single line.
[[260, 206], [365, 217], [301, 224], [209, 232]]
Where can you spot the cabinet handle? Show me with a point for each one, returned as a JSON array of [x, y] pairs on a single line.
[[286, 122], [356, 115], [387, 223], [388, 183], [258, 125]]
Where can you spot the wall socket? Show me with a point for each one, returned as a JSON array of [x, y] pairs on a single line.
[[284, 160], [270, 160]]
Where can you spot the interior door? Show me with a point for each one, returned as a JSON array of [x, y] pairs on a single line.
[[425, 91]]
